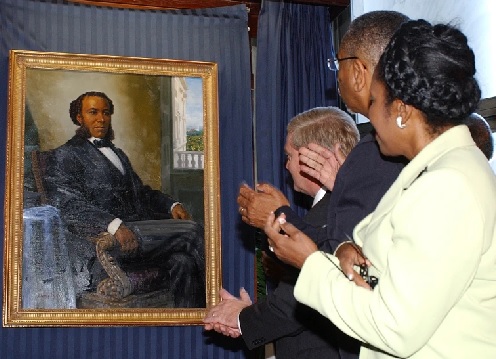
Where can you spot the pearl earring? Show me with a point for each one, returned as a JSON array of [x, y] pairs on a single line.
[[398, 122]]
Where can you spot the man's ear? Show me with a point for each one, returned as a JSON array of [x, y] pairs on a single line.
[[359, 75], [79, 119]]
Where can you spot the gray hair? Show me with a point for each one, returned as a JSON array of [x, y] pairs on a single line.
[[325, 126]]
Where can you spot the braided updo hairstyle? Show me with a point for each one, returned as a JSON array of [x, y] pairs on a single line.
[[431, 67]]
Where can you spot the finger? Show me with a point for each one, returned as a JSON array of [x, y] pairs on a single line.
[[269, 229], [315, 173], [275, 225], [265, 188], [246, 220], [347, 267], [359, 281], [273, 232], [243, 200], [243, 294], [318, 149], [218, 327], [308, 152], [245, 187], [224, 294], [288, 228], [311, 162], [245, 191]]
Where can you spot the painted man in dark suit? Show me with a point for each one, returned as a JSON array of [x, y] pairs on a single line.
[[357, 184], [280, 317], [96, 189]]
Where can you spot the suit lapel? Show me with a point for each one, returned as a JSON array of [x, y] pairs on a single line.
[[317, 215], [99, 160]]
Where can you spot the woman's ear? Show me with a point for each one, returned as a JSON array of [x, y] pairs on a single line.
[[403, 110]]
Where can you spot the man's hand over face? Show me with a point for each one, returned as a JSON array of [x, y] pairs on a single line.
[[321, 163], [255, 206]]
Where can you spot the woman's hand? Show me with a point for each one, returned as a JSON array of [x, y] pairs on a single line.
[[291, 245], [350, 255]]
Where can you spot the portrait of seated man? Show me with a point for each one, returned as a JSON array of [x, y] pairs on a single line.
[[157, 246]]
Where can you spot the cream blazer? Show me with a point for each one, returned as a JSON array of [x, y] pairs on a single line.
[[433, 247]]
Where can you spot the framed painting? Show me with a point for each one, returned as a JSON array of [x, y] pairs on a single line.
[[112, 213]]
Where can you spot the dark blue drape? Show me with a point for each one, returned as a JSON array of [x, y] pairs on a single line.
[[293, 46], [216, 35]]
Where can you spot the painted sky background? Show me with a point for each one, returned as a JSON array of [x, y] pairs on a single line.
[[194, 103]]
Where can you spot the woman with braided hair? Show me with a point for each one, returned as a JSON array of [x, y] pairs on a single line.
[[427, 254]]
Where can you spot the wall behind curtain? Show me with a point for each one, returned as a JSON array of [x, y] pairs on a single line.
[[216, 35], [474, 18], [293, 45]]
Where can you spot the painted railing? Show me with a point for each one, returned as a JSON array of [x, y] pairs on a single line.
[[191, 160]]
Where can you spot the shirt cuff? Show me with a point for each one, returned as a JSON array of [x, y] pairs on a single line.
[[239, 325], [114, 226], [174, 205], [339, 245]]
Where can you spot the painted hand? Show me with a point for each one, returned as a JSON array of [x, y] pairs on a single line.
[[179, 212], [127, 239]]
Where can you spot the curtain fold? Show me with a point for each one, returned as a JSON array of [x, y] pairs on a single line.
[[218, 35], [293, 45]]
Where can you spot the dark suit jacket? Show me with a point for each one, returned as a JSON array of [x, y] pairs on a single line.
[[91, 192], [360, 184], [281, 318], [299, 331]]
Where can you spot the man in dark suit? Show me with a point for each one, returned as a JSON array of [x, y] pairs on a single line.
[[357, 185], [95, 188], [280, 317]]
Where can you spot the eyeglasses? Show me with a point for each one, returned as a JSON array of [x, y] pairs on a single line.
[[333, 65]]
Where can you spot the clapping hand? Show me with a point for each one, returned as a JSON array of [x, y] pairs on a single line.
[[256, 205], [223, 317]]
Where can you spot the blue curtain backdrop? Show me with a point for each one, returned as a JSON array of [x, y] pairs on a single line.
[[216, 35], [293, 45]]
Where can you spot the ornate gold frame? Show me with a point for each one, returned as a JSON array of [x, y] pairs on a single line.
[[20, 61]]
